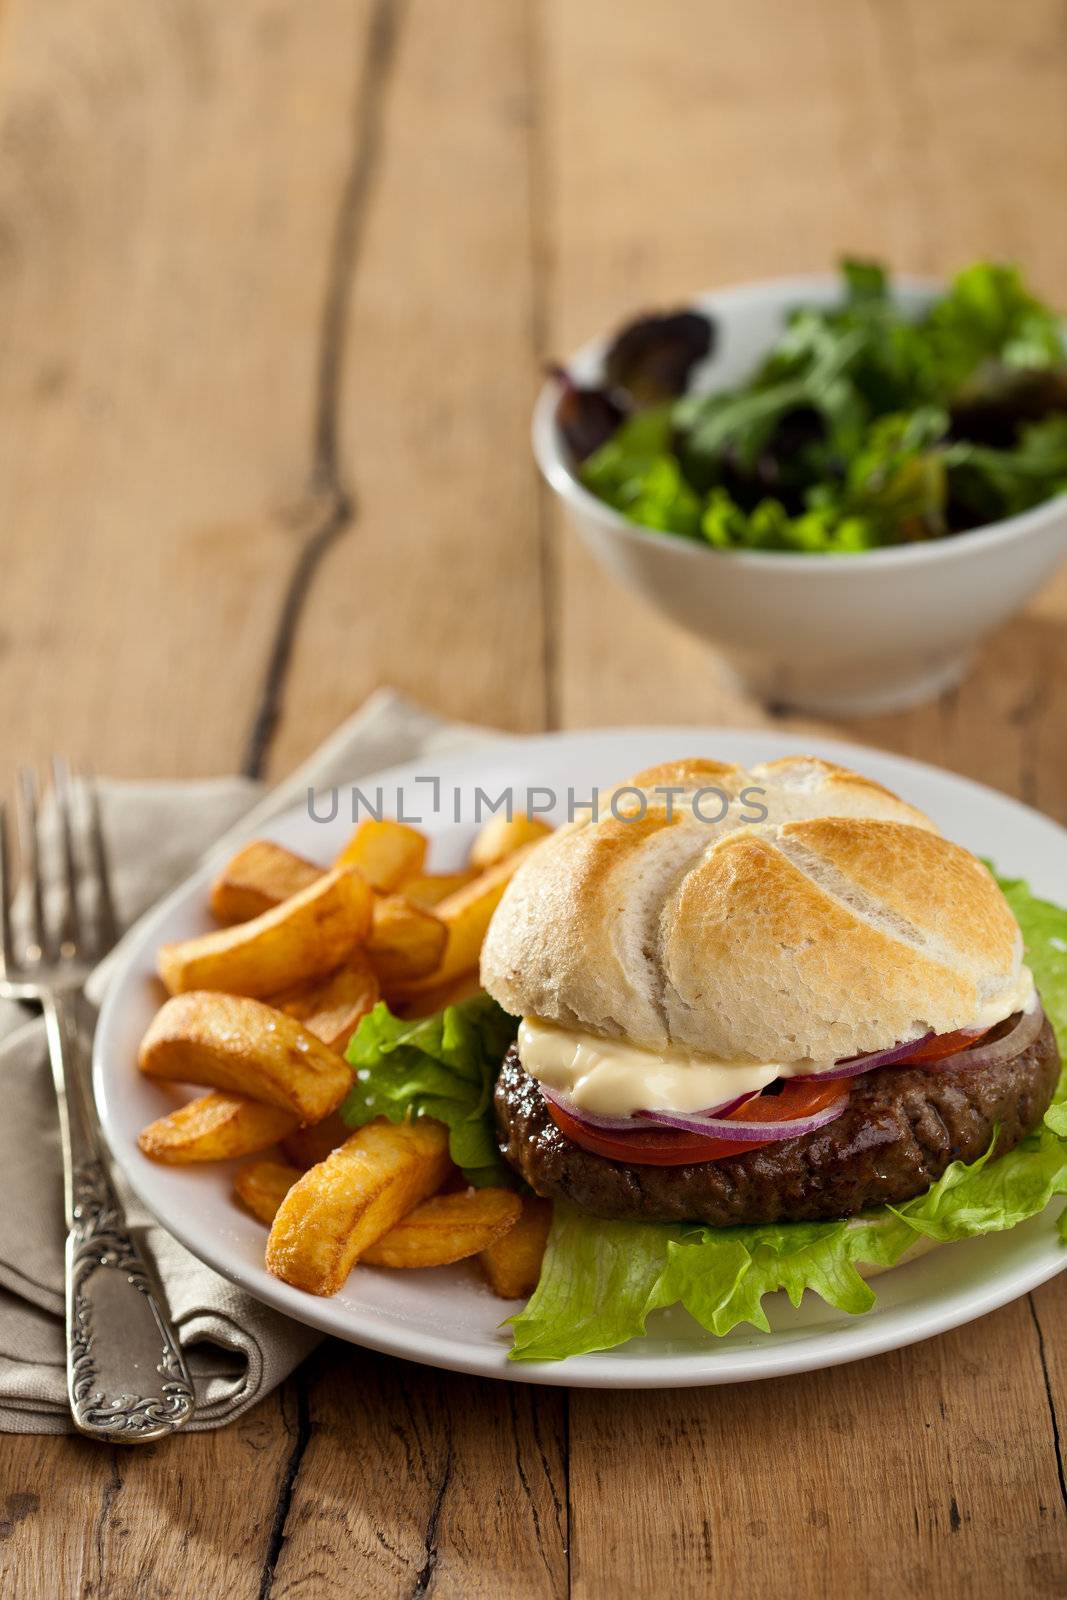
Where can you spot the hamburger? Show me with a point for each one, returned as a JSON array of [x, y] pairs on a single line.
[[799, 1005]]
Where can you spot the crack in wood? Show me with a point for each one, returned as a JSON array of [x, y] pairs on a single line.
[[327, 488], [424, 1577], [112, 1489], [286, 1488], [1057, 1443]]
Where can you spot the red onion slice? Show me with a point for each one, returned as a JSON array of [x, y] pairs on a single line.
[[854, 1065], [750, 1132], [1012, 1043], [635, 1120]]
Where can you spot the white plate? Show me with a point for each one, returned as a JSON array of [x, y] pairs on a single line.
[[445, 1316]]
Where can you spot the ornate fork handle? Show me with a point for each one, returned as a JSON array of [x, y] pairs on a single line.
[[126, 1375]]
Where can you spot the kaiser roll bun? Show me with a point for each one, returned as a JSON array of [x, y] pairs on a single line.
[[839, 922]]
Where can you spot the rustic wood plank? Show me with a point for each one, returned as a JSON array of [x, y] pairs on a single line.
[[416, 1482], [168, 193], [436, 589], [191, 1517], [917, 1473]]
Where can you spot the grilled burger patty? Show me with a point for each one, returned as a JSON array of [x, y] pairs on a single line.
[[902, 1127]]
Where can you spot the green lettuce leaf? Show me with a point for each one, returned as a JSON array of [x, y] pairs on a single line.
[[442, 1066], [601, 1280]]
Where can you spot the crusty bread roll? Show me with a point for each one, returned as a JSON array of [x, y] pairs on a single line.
[[840, 923]]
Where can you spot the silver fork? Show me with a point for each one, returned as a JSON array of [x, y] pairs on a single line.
[[126, 1376]]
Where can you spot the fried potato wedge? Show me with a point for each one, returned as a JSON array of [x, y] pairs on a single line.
[[307, 1146], [512, 1263], [231, 1042], [429, 888], [215, 1127], [405, 940], [331, 1008], [261, 1186], [446, 1228], [339, 1208], [258, 878], [502, 836], [305, 937], [466, 915], [385, 852]]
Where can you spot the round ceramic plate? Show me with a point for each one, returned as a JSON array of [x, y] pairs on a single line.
[[446, 1316]]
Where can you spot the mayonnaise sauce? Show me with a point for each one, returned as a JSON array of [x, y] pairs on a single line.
[[614, 1078]]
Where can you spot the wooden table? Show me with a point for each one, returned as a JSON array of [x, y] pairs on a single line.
[[276, 284]]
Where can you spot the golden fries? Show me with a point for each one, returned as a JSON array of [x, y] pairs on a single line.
[[257, 878], [230, 1042], [261, 1011], [429, 888], [339, 1208], [307, 1146], [405, 940], [331, 1008], [261, 1186], [306, 936], [385, 852], [512, 1263], [214, 1128], [447, 1228], [466, 915], [502, 836]]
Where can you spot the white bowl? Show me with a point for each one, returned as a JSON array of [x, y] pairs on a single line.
[[837, 634]]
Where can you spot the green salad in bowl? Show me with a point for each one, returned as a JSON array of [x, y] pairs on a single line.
[[881, 420]]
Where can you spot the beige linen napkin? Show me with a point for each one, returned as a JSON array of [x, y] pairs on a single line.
[[237, 1349]]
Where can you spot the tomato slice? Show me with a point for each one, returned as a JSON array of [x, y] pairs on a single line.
[[944, 1044], [671, 1147]]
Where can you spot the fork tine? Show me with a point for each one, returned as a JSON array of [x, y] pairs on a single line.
[[107, 923], [7, 945], [70, 920], [30, 846]]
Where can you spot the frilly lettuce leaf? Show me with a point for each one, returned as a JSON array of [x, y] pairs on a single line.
[[601, 1280], [442, 1066]]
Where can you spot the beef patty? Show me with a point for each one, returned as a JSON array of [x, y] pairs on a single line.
[[901, 1128]]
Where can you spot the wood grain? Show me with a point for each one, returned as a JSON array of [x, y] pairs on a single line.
[[417, 1482], [436, 588], [169, 182], [276, 285], [106, 1523], [911, 1474]]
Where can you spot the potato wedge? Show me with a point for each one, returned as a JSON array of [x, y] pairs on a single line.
[[429, 888], [215, 1127], [306, 1147], [501, 837], [331, 1008], [385, 852], [305, 937], [230, 1042], [339, 1208], [257, 878], [405, 940], [261, 1186], [446, 1228], [466, 915], [512, 1263]]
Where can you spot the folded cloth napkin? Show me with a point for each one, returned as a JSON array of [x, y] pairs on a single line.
[[237, 1349]]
